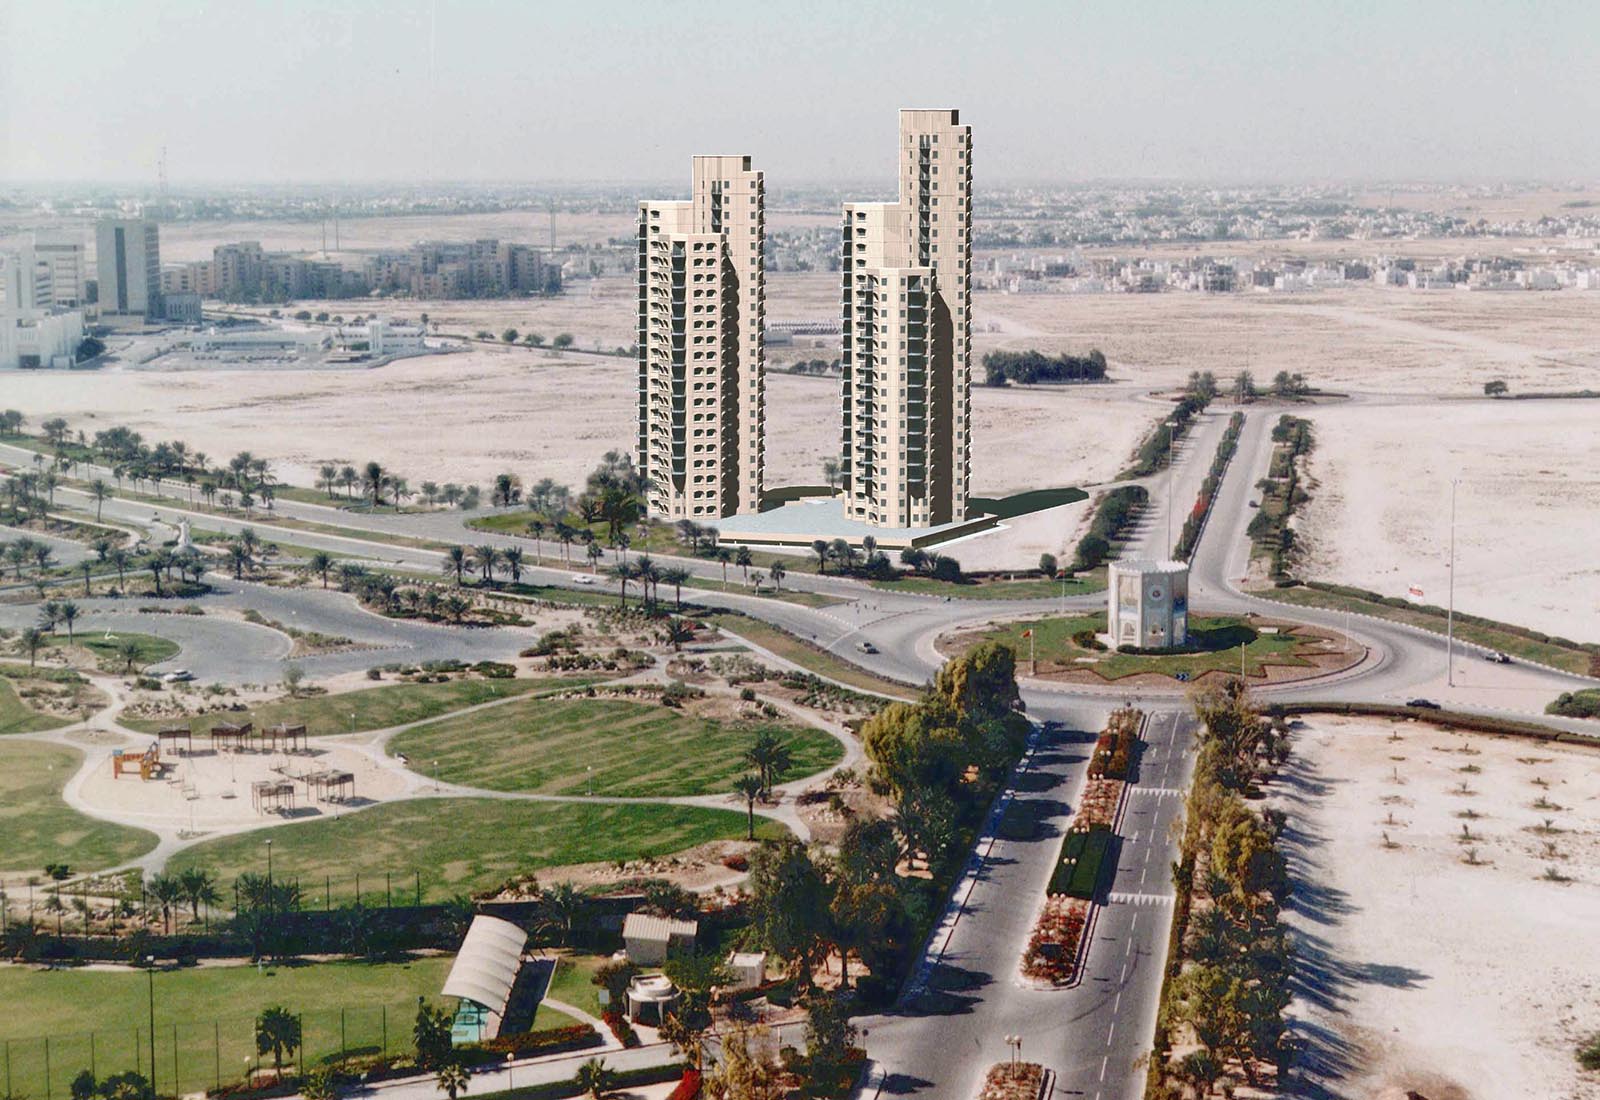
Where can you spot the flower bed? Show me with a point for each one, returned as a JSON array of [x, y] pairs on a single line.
[[1083, 857], [1052, 951], [1100, 800], [1005, 1081]]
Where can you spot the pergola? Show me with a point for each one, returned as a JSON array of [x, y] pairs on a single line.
[[175, 734], [272, 795], [330, 786], [286, 737], [230, 736]]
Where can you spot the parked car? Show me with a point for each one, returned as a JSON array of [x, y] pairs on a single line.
[[1423, 704], [866, 647], [582, 578], [177, 676], [1498, 658]]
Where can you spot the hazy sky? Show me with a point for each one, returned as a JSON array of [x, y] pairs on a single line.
[[358, 90]]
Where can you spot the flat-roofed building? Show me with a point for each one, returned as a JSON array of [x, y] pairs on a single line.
[[128, 260], [702, 359], [907, 334]]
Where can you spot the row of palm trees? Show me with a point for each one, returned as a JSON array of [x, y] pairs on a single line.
[[26, 553]]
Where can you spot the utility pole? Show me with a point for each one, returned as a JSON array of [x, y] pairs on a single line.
[[1450, 616]]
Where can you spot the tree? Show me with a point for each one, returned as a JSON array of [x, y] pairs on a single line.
[[562, 340], [453, 1077], [749, 787], [1244, 387], [320, 1084], [320, 563], [829, 1039], [830, 472], [1496, 388], [1048, 565], [486, 557], [744, 559], [199, 888], [789, 904], [293, 676], [166, 891], [745, 1070], [510, 337], [127, 650], [99, 490], [374, 479], [770, 756], [455, 563], [277, 1033], [512, 556], [675, 575], [563, 907], [593, 1077], [430, 1034], [778, 572], [819, 547], [507, 489], [68, 612]]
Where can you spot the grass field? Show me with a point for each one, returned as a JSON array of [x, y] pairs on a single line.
[[373, 708], [572, 982], [1038, 588], [152, 650], [210, 1012], [1220, 641], [17, 717], [40, 828], [462, 845], [1566, 658], [544, 746], [808, 657]]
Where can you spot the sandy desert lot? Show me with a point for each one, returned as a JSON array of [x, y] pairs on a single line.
[[1419, 969], [1528, 506]]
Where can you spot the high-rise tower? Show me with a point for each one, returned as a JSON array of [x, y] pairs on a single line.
[[702, 361], [907, 334]]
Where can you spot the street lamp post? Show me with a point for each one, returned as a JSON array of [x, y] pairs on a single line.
[[150, 973]]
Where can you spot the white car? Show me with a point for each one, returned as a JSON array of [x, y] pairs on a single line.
[[582, 578], [177, 676]]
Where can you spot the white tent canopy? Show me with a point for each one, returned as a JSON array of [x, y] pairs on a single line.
[[486, 967]]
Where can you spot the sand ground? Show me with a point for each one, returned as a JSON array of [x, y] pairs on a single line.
[[1418, 970], [1527, 506]]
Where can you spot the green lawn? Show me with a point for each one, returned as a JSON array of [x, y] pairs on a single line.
[[151, 649], [17, 717], [544, 746], [808, 656], [572, 982], [1037, 588], [210, 1011], [40, 828], [1483, 633], [462, 845], [1219, 640], [373, 708]]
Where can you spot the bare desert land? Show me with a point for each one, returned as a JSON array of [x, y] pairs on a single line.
[[1442, 960], [1528, 506]]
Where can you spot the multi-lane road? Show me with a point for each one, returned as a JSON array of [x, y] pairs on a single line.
[[968, 995]]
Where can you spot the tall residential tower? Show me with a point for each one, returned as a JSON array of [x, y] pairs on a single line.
[[907, 343], [702, 306]]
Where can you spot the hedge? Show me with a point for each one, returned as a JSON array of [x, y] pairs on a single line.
[[1082, 859], [559, 1090]]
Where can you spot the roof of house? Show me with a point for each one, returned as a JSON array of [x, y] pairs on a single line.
[[486, 966], [643, 926]]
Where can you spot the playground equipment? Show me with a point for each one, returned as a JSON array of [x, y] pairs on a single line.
[[147, 765], [176, 734], [272, 796], [285, 737], [227, 735]]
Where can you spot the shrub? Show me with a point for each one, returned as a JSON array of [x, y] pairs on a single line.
[[374, 673], [1584, 703]]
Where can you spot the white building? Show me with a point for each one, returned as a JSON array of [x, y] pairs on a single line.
[[59, 267], [34, 338], [907, 334], [382, 337], [1148, 604], [128, 259], [702, 359]]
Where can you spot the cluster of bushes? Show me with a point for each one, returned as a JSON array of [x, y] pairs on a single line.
[[1281, 494], [1033, 367], [1082, 862], [620, 1027], [530, 1044], [1157, 446], [1115, 512], [1208, 489], [1229, 981], [929, 564], [1584, 703]]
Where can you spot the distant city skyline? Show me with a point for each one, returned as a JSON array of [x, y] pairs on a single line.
[[433, 91]]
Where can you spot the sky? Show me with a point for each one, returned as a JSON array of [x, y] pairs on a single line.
[[314, 91]]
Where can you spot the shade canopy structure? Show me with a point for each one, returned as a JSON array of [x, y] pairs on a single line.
[[486, 968]]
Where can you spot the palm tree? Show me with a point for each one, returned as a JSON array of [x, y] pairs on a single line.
[[566, 533], [128, 650], [595, 1078], [200, 888], [675, 576], [486, 557], [512, 556], [320, 562], [724, 555], [87, 567], [277, 1031], [373, 480], [328, 477], [165, 891], [622, 542], [455, 563], [595, 554], [348, 478], [99, 490], [536, 529], [158, 563], [744, 560], [562, 907], [819, 547], [749, 786], [676, 631], [624, 572], [121, 559], [770, 757], [777, 572], [453, 1078], [68, 612], [239, 558], [32, 639]]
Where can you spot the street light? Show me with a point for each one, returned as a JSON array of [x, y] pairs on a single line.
[[511, 1078], [1015, 1043], [150, 973], [590, 769]]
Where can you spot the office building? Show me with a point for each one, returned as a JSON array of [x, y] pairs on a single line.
[[702, 307], [128, 259], [35, 338], [907, 334]]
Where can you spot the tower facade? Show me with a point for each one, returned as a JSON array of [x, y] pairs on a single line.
[[907, 334], [128, 260], [702, 359]]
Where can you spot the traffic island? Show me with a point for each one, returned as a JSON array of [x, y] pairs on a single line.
[[1013, 1081], [1070, 650]]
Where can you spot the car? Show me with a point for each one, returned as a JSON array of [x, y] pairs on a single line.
[[866, 647], [1255, 504], [177, 676], [582, 578], [1423, 704], [1498, 658]]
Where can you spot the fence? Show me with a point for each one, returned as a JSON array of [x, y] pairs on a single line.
[[198, 1056]]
